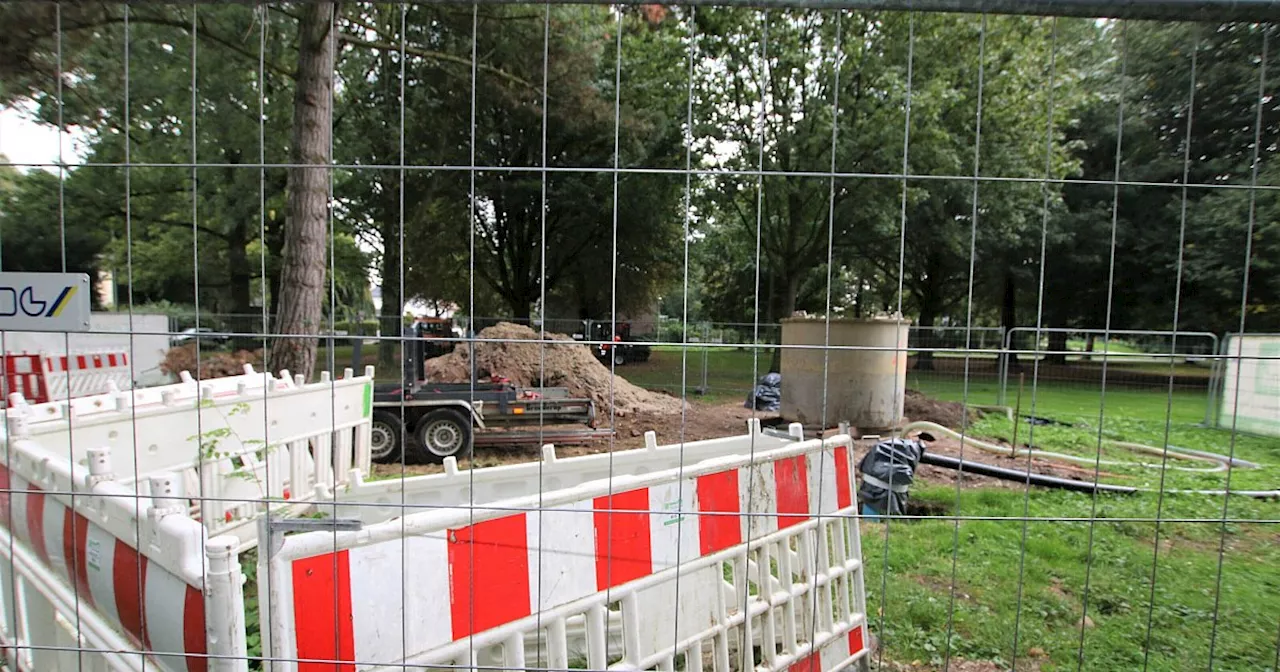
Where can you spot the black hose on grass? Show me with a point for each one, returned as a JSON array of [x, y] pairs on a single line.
[[981, 469]]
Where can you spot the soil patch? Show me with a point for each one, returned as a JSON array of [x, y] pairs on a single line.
[[917, 407], [1029, 663], [529, 361], [211, 364], [951, 447], [707, 421], [699, 421]]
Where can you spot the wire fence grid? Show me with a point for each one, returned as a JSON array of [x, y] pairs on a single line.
[[1073, 203]]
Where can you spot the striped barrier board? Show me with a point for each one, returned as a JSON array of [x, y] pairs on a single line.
[[96, 576], [658, 547], [159, 611], [24, 375], [234, 441], [85, 373], [376, 501], [44, 377]]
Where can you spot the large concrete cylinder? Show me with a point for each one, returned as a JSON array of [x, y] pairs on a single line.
[[864, 387]]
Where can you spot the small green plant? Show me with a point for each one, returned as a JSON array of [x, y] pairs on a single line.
[[212, 449]]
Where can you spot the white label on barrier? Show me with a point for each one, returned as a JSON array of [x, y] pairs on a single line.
[[93, 553], [44, 302], [673, 533]]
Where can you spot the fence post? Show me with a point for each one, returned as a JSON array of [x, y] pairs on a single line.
[[1216, 379], [224, 611], [706, 340], [1006, 337], [1214, 372]]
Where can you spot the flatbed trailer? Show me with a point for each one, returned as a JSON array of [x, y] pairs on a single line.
[[432, 421]]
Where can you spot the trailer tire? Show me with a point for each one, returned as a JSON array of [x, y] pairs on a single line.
[[443, 433], [386, 438]]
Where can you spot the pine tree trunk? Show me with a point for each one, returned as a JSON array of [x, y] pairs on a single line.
[[1009, 318], [302, 271]]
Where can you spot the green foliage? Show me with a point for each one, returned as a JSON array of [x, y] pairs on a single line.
[[210, 443], [777, 80], [37, 236]]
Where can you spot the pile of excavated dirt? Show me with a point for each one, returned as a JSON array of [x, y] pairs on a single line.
[[950, 414], [211, 364], [567, 364]]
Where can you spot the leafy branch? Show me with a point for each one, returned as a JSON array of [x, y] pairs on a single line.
[[211, 448]]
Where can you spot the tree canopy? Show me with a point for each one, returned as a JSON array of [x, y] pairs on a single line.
[[206, 124]]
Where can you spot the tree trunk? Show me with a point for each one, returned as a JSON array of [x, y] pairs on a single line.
[[390, 315], [928, 317], [788, 307], [1057, 348], [521, 310], [302, 270], [1009, 317], [1088, 347], [240, 274]]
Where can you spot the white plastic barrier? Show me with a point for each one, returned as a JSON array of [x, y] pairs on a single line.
[[701, 564], [376, 501], [42, 377], [234, 442], [84, 373], [94, 577]]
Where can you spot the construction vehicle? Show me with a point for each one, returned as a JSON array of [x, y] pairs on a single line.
[[417, 420], [610, 345], [436, 334], [428, 422]]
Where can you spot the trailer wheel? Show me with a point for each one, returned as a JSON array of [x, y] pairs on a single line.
[[385, 437], [443, 433]]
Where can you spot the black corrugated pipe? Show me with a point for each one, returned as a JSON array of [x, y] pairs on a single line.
[[966, 466]]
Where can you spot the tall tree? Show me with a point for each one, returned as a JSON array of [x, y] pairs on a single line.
[[302, 275], [1162, 248]]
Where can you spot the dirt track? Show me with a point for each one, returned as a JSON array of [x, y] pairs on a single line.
[[706, 421]]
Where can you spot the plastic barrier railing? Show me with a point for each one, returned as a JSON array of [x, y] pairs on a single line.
[[375, 501], [41, 377], [704, 565], [232, 442], [91, 574]]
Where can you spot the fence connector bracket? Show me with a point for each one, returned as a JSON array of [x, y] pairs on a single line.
[[314, 524], [273, 529]]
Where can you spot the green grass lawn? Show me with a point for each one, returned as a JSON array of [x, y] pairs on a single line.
[[1016, 584]]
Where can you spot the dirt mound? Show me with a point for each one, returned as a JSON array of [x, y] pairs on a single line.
[[950, 414], [212, 364], [568, 364]]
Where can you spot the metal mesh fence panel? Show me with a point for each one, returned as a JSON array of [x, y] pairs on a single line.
[[742, 335]]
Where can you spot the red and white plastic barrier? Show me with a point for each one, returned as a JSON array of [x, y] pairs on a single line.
[[376, 501], [93, 576], [729, 554], [157, 609], [658, 547], [235, 442], [44, 377], [24, 374]]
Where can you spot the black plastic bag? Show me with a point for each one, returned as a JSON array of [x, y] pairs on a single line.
[[767, 394], [887, 471]]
